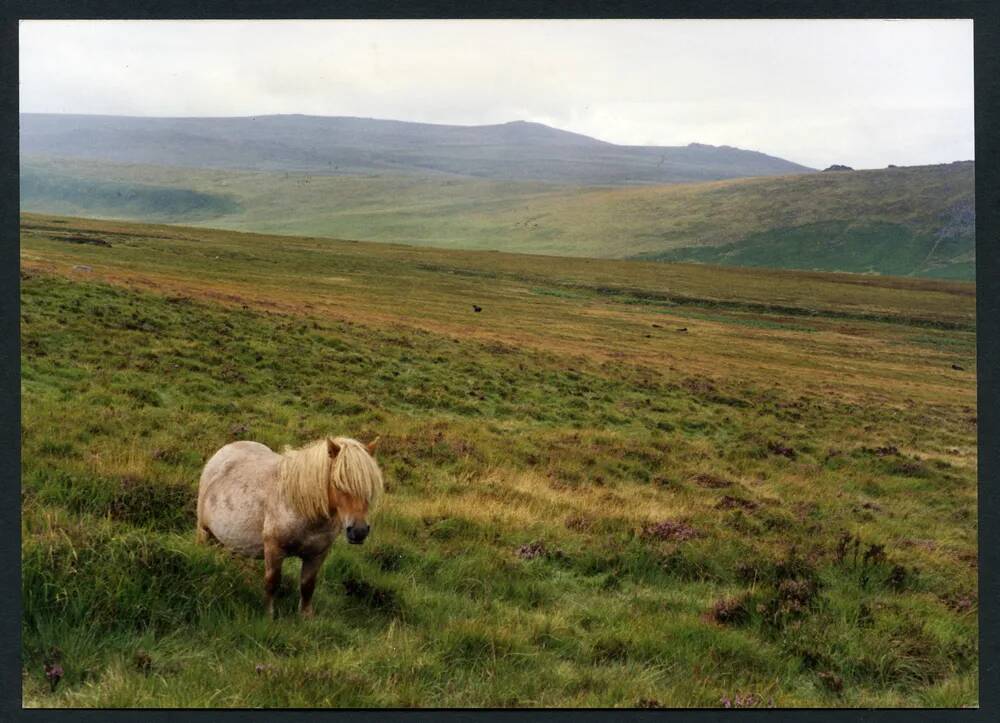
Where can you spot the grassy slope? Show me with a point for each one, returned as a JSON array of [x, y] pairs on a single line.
[[885, 220], [570, 411]]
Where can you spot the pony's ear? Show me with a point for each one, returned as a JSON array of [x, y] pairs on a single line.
[[372, 445], [332, 448]]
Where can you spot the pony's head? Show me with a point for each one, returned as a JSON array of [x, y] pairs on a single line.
[[336, 477]]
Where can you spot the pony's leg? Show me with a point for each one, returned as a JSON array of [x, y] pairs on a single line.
[[273, 557], [307, 581]]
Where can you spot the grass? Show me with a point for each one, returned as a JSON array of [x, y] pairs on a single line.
[[833, 246], [130, 199], [904, 221], [586, 506]]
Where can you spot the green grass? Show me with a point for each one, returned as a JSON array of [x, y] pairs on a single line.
[[136, 200], [904, 221], [831, 246], [559, 415]]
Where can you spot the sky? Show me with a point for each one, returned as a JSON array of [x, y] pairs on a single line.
[[865, 93]]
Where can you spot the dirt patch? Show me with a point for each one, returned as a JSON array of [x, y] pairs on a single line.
[[531, 550], [742, 700], [736, 503], [781, 450], [710, 481], [729, 611], [908, 468], [580, 523], [923, 544], [698, 385], [969, 558], [805, 510], [888, 450], [961, 603], [669, 530], [795, 595], [833, 682]]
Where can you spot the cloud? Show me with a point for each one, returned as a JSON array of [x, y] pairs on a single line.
[[865, 93]]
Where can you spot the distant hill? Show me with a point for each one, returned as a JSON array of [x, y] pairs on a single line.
[[904, 221], [342, 145]]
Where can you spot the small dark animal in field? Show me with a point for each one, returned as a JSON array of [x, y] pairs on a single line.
[[957, 368], [683, 328], [657, 326], [477, 309]]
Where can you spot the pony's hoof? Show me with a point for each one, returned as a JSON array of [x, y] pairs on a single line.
[[307, 613]]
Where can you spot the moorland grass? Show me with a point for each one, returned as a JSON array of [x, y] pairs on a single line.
[[585, 506], [917, 220]]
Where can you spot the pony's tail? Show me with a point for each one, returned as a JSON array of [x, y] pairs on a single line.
[[201, 533]]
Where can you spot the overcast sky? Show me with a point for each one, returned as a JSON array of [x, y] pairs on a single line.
[[863, 93]]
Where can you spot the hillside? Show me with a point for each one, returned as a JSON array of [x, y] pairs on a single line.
[[337, 145], [903, 221], [619, 484]]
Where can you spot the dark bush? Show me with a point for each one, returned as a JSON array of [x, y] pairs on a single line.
[[730, 611]]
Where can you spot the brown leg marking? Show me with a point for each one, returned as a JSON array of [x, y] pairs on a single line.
[[307, 581], [273, 557]]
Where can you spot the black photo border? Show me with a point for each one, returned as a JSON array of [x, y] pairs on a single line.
[[986, 17]]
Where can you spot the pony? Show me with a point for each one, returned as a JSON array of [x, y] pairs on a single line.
[[262, 504]]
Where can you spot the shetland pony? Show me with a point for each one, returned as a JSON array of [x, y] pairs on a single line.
[[262, 504]]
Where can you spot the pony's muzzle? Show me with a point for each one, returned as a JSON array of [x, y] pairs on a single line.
[[357, 532]]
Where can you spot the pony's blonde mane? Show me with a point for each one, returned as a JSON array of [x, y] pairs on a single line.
[[308, 473]]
